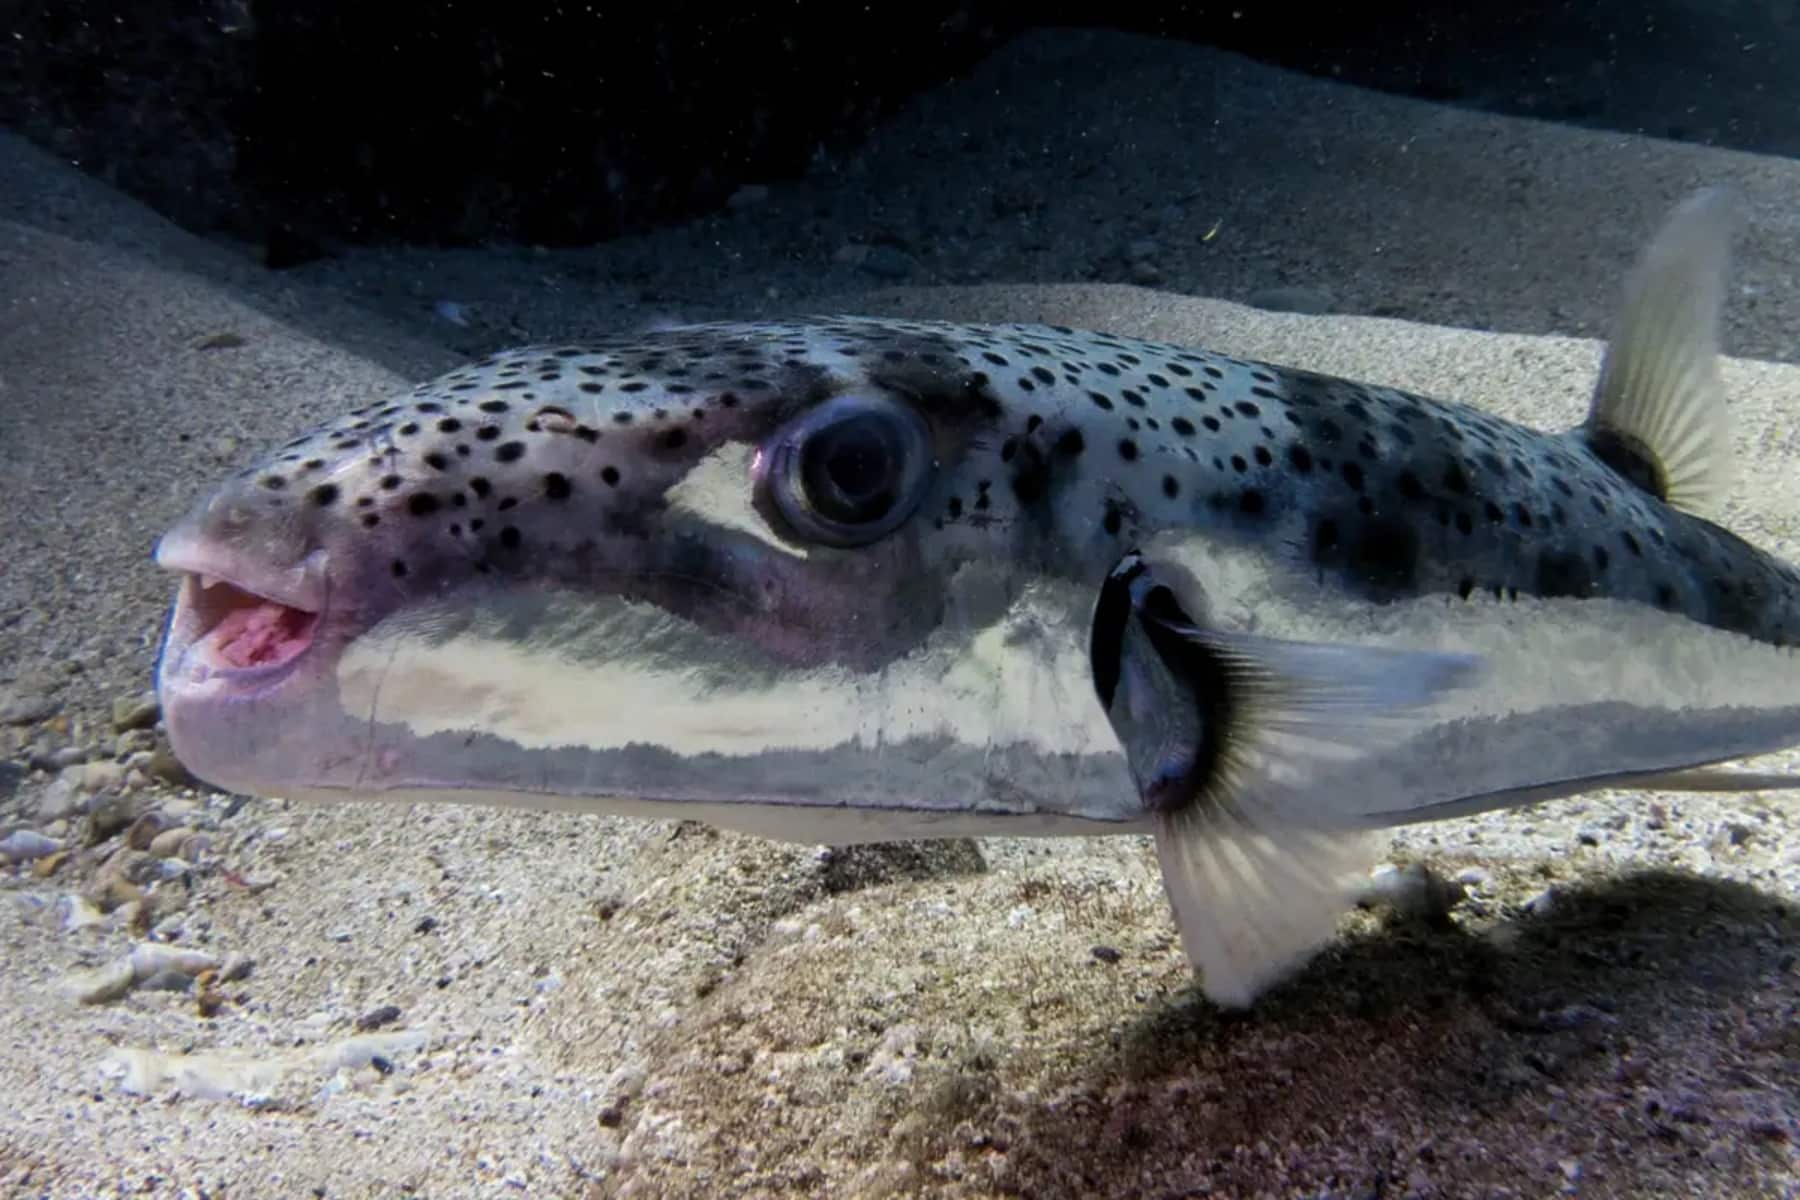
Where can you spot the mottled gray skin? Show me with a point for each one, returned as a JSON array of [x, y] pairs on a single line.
[[1057, 450]]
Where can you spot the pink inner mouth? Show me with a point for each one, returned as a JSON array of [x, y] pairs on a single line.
[[245, 631], [265, 635]]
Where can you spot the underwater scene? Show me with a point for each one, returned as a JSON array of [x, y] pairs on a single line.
[[964, 600]]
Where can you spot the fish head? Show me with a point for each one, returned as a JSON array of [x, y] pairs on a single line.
[[725, 571]]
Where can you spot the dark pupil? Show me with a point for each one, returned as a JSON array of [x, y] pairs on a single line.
[[849, 470]]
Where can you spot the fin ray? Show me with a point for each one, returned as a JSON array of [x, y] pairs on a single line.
[[1658, 414], [1244, 749], [1253, 904]]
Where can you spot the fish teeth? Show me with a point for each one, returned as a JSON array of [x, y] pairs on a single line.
[[208, 582]]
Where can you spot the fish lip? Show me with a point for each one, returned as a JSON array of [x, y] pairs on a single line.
[[303, 587]]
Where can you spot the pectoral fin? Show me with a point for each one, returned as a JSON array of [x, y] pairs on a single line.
[[1244, 750]]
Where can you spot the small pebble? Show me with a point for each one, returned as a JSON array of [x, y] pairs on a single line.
[[19, 707], [452, 311], [167, 981], [1413, 890], [48, 865], [137, 742], [108, 816], [1106, 954], [24, 845], [69, 756], [135, 712], [147, 961], [1545, 903], [77, 912], [165, 766], [169, 842], [97, 776], [60, 799], [145, 830], [375, 1018]]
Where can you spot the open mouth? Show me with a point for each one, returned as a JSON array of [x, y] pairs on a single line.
[[238, 630], [228, 626]]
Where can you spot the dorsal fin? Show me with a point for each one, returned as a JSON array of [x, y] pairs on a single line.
[[1658, 415]]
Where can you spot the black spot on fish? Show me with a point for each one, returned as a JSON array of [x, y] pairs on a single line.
[[509, 452], [556, 486], [1325, 540], [1031, 474], [1353, 475], [1128, 449], [1114, 520], [1386, 555], [1560, 574], [1070, 443], [1301, 458], [609, 476], [325, 494], [509, 537], [422, 504]]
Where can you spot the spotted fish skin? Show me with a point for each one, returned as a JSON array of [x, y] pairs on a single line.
[[842, 579], [1069, 447]]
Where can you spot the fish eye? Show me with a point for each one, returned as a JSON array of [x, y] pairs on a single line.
[[851, 470]]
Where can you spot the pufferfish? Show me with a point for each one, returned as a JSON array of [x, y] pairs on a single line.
[[845, 579]]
